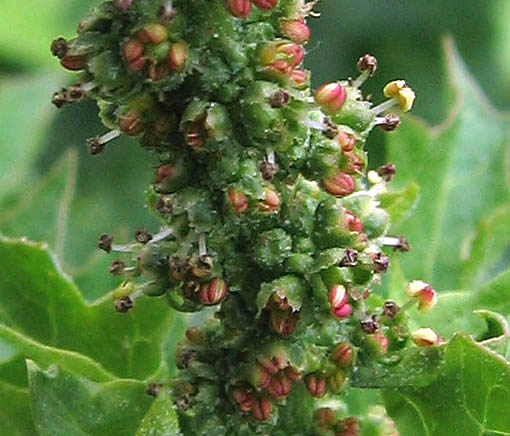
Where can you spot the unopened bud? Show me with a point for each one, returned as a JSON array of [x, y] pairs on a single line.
[[296, 30], [74, 62], [299, 78], [239, 8], [154, 32], [262, 410], [352, 222], [178, 56], [266, 5], [367, 63], [349, 427], [336, 382], [293, 374], [340, 184], [424, 293], [269, 366], [130, 124], [337, 296], [325, 417], [271, 202], [214, 292], [316, 385], [238, 201], [279, 386], [105, 242], [346, 140], [331, 96], [353, 163], [343, 312], [425, 337], [343, 355]]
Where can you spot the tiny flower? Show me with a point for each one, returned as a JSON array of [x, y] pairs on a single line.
[[260, 378], [387, 171], [243, 399], [238, 201], [239, 8], [268, 365], [424, 293], [105, 242], [353, 163], [349, 427], [367, 63], [346, 140], [279, 386], [299, 78], [343, 355], [133, 55], [390, 309], [262, 410], [331, 96], [265, 5], [325, 417], [316, 385], [214, 292], [178, 56], [399, 90], [425, 337], [296, 30], [340, 185], [343, 312]]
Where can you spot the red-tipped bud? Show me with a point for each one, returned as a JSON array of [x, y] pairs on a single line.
[[262, 410], [214, 292], [243, 399], [164, 172], [349, 427], [132, 50], [424, 293], [352, 222], [130, 124], [293, 374], [178, 56], [343, 312], [381, 342], [279, 386], [282, 57], [238, 201], [266, 5], [331, 96], [283, 323], [346, 140], [353, 163], [239, 8], [340, 184], [337, 296], [268, 365], [271, 202], [343, 355], [154, 33], [295, 53], [261, 377], [425, 337], [74, 62], [325, 417], [299, 78], [316, 385], [296, 30]]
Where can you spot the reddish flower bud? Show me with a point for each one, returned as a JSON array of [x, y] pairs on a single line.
[[381, 341], [163, 172], [340, 184], [296, 30], [268, 365], [155, 33], [283, 323], [424, 293], [331, 96], [279, 386], [262, 410], [132, 50], [130, 124], [266, 5], [260, 376], [343, 312], [352, 222], [243, 399], [238, 201], [178, 56], [343, 355], [336, 382], [325, 418], [214, 292], [353, 163], [74, 62], [157, 72], [349, 427], [239, 8], [316, 385], [293, 374], [299, 78], [346, 140], [337, 296], [271, 202]]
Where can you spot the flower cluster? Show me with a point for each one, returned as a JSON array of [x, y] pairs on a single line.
[[271, 223]]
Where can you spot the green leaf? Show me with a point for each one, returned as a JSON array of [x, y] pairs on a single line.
[[41, 310], [470, 397], [462, 169], [161, 419], [400, 204], [64, 404], [15, 413]]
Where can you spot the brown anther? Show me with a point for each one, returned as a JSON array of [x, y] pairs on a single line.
[[164, 206], [166, 12], [350, 258], [267, 169], [390, 309], [279, 99], [203, 267], [59, 99], [403, 245], [124, 305], [381, 262], [94, 145], [105, 242], [153, 389], [387, 171], [330, 128], [179, 268], [391, 122], [117, 267], [59, 47], [142, 236], [194, 135], [370, 325], [367, 63]]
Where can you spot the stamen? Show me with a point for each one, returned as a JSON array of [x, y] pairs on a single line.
[[388, 104], [202, 247]]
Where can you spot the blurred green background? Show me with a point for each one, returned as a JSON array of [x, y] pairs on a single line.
[[52, 190]]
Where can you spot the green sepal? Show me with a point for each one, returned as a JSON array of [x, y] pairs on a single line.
[[289, 286]]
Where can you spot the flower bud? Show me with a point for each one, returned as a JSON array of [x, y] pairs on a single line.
[[378, 343], [130, 124], [271, 202], [243, 399], [299, 78], [346, 140], [343, 312], [331, 96], [425, 337], [262, 410], [178, 56], [325, 417], [293, 374], [316, 385], [132, 50], [349, 427], [340, 184], [214, 292], [265, 5], [238, 201], [74, 62], [424, 293], [296, 30], [283, 323], [337, 296], [279, 386], [352, 222], [239, 8], [336, 382], [367, 63], [154, 32], [353, 163], [399, 90], [195, 336], [343, 355]]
